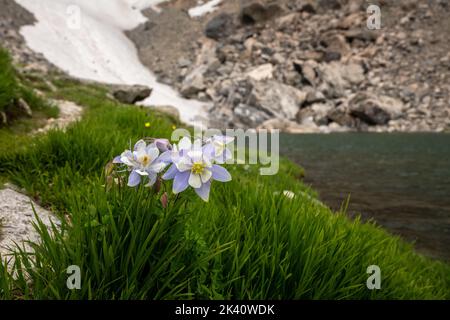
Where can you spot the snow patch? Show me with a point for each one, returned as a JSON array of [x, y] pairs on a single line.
[[85, 38], [204, 8]]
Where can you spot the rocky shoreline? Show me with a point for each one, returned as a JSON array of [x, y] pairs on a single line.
[[309, 66]]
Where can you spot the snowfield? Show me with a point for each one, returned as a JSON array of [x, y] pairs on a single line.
[[204, 8], [85, 38]]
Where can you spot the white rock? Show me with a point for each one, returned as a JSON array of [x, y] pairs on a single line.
[[262, 72], [17, 218]]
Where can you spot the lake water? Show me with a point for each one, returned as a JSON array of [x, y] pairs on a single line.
[[402, 181]]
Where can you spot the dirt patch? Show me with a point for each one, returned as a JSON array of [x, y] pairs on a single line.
[[69, 112]]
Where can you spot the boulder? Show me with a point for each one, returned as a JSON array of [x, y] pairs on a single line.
[[316, 113], [342, 118], [336, 77], [329, 4], [131, 94], [370, 113], [276, 99], [332, 56], [353, 73], [307, 70], [288, 126], [220, 26], [184, 62], [194, 82], [279, 124], [333, 83], [336, 43], [256, 12], [375, 110], [249, 116]]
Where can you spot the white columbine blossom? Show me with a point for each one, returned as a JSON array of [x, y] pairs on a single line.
[[218, 145], [142, 162]]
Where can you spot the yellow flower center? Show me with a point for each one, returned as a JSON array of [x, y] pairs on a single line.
[[198, 167], [145, 160]]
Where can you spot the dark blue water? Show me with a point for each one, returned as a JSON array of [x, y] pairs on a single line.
[[402, 181]]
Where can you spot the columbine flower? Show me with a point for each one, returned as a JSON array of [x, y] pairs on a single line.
[[217, 146], [193, 166], [142, 162], [163, 145]]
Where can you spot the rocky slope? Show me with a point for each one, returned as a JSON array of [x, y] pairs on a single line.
[[308, 66], [296, 65]]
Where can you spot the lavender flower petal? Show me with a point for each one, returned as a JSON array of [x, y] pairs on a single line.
[[180, 182], [203, 191], [170, 174], [134, 179], [220, 173]]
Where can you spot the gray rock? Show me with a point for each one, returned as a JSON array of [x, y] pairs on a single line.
[[261, 72], [375, 109], [333, 83], [371, 114], [276, 99], [257, 12], [250, 116], [368, 110], [361, 34], [314, 96], [194, 82], [221, 26], [309, 7], [329, 4], [289, 126], [184, 63], [335, 43], [342, 118], [18, 214], [353, 73], [306, 69], [23, 108], [331, 56], [131, 94]]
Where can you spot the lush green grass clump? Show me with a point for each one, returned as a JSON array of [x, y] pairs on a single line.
[[14, 125], [8, 83], [12, 89], [248, 242]]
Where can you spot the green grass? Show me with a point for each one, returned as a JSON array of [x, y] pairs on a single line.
[[8, 82], [248, 242], [14, 87]]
